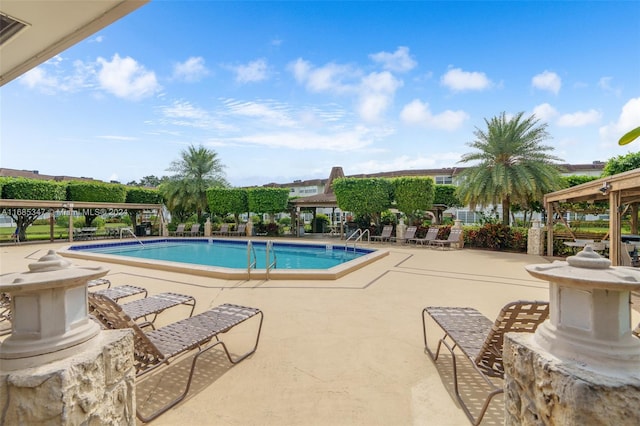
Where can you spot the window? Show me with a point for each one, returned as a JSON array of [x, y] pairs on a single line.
[[444, 180]]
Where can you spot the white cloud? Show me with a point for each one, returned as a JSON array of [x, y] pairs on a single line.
[[376, 94], [118, 138], [399, 61], [273, 114], [579, 119], [125, 78], [629, 119], [605, 84], [348, 140], [40, 79], [252, 72], [545, 112], [547, 80], [374, 91], [458, 80], [418, 113], [192, 69], [185, 114], [332, 78]]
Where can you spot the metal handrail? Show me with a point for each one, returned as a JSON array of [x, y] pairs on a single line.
[[133, 235], [251, 250], [358, 235], [269, 250]]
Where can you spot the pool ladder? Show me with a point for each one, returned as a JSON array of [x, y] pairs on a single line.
[[270, 265], [252, 260], [133, 235], [358, 235]]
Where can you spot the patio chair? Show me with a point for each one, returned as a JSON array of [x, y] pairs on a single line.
[[159, 347], [154, 305], [122, 291], [224, 230], [179, 232], [5, 312], [385, 235], [195, 230], [432, 235], [455, 237], [480, 340], [241, 231], [409, 234]]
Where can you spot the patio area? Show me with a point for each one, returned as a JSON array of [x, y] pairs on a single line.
[[344, 352]]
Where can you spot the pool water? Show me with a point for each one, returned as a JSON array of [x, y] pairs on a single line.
[[232, 254]]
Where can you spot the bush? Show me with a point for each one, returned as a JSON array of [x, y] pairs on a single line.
[[285, 221], [496, 236]]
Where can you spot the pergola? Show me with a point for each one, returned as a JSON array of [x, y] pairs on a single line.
[[622, 191], [70, 206]]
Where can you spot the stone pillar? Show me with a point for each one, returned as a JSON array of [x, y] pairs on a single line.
[[535, 239], [401, 228], [541, 389], [207, 228], [457, 224], [96, 386], [582, 365], [249, 229]]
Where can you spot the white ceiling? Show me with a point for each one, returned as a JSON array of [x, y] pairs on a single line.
[[53, 26]]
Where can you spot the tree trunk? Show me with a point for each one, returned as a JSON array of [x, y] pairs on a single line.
[[506, 207]]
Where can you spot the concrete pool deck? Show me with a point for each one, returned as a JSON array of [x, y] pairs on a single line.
[[343, 352]]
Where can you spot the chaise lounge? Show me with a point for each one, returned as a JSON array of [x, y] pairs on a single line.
[[480, 340], [163, 345], [385, 235]]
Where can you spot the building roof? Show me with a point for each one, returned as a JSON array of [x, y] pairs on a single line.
[[35, 174], [33, 32], [597, 166]]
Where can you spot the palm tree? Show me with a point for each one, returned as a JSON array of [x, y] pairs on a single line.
[[511, 164], [196, 170]]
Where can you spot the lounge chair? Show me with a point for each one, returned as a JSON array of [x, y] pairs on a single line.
[[146, 306], [154, 305], [195, 230], [409, 234], [432, 235], [481, 340], [241, 231], [158, 347], [122, 291], [224, 230], [5, 313], [179, 232], [385, 235], [455, 237]]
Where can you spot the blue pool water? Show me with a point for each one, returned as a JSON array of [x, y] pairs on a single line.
[[231, 254]]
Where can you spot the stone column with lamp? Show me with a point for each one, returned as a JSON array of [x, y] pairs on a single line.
[[535, 239], [582, 366], [57, 367]]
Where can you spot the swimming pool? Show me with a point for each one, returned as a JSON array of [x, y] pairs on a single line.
[[228, 259]]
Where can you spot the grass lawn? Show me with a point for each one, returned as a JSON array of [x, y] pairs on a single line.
[[43, 232]]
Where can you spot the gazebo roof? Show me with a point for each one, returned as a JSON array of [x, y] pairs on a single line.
[[327, 198]]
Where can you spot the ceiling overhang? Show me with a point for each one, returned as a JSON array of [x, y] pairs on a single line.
[[51, 26]]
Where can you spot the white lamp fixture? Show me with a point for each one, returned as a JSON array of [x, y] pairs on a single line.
[[49, 312], [589, 313]]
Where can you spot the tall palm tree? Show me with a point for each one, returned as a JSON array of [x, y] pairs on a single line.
[[197, 169], [511, 165]]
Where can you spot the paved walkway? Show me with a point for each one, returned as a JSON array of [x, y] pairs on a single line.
[[344, 352]]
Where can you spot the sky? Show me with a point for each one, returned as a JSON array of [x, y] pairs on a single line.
[[286, 90]]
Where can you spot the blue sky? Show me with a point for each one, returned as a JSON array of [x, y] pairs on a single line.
[[286, 90]]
